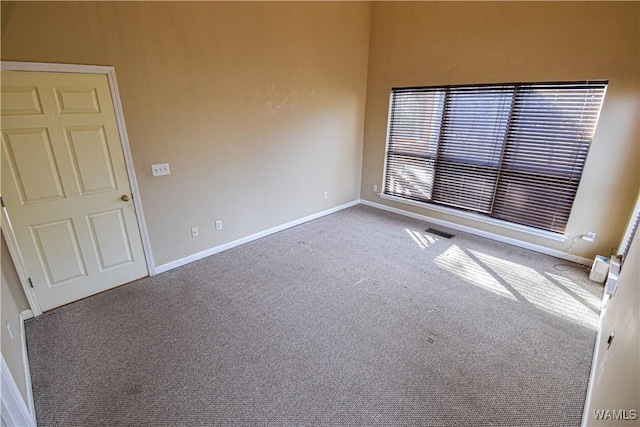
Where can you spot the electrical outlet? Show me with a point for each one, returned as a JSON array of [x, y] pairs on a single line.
[[325, 195], [160, 169], [375, 188], [219, 225], [589, 237], [194, 232]]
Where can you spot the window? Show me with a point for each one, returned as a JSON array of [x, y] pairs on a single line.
[[510, 151]]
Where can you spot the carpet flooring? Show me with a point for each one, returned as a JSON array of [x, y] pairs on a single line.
[[358, 318]]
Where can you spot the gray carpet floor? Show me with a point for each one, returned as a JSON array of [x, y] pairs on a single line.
[[358, 318]]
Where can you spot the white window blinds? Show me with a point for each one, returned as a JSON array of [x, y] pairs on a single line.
[[510, 151]]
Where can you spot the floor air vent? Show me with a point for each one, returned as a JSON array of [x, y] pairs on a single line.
[[439, 233]]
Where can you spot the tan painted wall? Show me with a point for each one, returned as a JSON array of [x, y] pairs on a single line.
[[436, 43], [257, 107], [616, 383], [13, 302]]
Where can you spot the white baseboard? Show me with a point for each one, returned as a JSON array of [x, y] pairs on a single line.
[[481, 233], [25, 315], [586, 412], [208, 252], [14, 410], [197, 256]]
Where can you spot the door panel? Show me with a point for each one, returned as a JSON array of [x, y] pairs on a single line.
[[59, 251], [77, 100], [30, 156], [20, 101], [63, 175], [110, 238], [91, 159]]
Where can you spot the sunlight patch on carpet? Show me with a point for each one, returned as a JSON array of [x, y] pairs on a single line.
[[456, 261], [422, 240], [541, 291]]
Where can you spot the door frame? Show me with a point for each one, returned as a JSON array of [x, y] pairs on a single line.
[[7, 230]]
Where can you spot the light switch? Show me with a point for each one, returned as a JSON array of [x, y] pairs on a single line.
[[160, 169]]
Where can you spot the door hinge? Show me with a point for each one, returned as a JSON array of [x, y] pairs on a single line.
[[30, 282]]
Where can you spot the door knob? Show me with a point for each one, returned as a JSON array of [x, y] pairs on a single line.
[[125, 198]]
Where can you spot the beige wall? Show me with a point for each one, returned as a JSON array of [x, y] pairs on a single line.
[[13, 302], [616, 383], [437, 43], [257, 107]]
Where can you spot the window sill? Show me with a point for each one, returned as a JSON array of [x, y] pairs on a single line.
[[480, 218]]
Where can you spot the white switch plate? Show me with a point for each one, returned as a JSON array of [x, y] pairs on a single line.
[[195, 232], [160, 169], [325, 195], [375, 188], [219, 225]]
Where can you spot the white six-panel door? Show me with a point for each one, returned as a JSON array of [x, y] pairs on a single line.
[[65, 185]]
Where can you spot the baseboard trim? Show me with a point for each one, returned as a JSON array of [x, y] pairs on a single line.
[[208, 252], [522, 244], [481, 233], [25, 315], [14, 410], [586, 412]]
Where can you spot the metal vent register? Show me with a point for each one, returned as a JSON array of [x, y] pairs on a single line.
[[439, 233]]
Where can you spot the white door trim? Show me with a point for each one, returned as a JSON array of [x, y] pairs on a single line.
[[126, 150], [21, 269], [14, 409]]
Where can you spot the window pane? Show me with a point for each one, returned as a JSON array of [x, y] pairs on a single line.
[[414, 130], [546, 148], [551, 129], [473, 133], [475, 124], [535, 200], [409, 177], [465, 186]]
